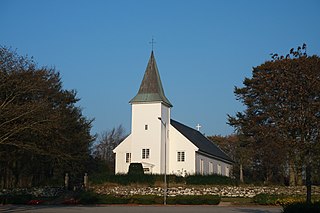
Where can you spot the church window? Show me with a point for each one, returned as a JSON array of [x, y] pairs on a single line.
[[201, 167], [146, 127], [180, 156], [219, 169], [227, 172], [128, 157], [145, 153], [210, 168]]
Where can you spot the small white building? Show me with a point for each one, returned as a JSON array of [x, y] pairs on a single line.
[[162, 144]]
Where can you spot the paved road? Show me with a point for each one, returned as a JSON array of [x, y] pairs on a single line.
[[138, 209]]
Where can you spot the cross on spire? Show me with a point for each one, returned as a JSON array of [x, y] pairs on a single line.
[[152, 42], [198, 127]]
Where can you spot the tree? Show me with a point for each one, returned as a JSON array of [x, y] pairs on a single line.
[[42, 132], [239, 150], [107, 142], [282, 110]]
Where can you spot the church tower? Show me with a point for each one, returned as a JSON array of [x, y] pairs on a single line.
[[150, 122]]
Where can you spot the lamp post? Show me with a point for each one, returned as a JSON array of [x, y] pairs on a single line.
[[165, 162]]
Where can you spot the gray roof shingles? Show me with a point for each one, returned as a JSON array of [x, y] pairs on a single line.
[[200, 141], [151, 89]]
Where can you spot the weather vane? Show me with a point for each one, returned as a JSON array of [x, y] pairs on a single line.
[[152, 42]]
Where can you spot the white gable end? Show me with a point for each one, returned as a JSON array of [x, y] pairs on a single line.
[[123, 150], [179, 146]]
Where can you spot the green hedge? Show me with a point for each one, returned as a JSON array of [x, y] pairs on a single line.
[[90, 198], [93, 198], [209, 180], [194, 200], [282, 200], [266, 199], [15, 199], [127, 179], [124, 179], [146, 199], [302, 207]]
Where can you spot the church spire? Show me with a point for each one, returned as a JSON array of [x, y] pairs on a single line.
[[151, 89]]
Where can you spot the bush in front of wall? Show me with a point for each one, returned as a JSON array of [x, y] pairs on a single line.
[[282, 200], [93, 198], [146, 199], [194, 200], [302, 207], [135, 169], [15, 199], [213, 179], [265, 199]]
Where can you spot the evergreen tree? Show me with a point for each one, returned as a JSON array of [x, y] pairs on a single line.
[[42, 132]]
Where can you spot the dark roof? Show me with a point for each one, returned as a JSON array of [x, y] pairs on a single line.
[[199, 140], [151, 89]]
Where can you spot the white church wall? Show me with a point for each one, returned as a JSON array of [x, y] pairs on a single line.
[[178, 143], [206, 165], [124, 147], [147, 133]]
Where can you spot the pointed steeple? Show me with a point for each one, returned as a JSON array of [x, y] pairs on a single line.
[[151, 89]]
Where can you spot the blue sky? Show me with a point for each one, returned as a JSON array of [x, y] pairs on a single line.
[[203, 49]]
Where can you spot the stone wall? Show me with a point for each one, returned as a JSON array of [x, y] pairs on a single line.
[[226, 191]]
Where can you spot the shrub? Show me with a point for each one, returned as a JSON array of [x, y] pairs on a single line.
[[194, 200], [146, 199], [91, 197], [265, 199], [15, 199], [135, 169], [173, 179], [111, 199], [150, 179], [88, 197], [283, 200], [302, 207], [134, 178], [209, 180]]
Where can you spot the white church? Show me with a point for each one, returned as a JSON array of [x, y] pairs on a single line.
[[162, 144]]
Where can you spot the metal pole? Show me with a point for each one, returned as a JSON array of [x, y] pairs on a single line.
[[165, 165], [165, 162]]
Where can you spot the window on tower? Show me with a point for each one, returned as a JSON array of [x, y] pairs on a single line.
[[146, 127], [145, 153]]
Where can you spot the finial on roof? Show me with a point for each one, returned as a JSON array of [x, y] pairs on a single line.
[[152, 42], [198, 127]]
